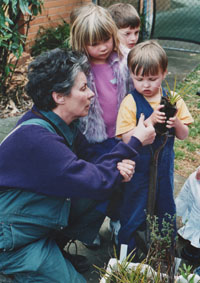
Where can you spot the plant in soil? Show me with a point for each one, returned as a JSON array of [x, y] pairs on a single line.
[[161, 253], [159, 264], [124, 273], [169, 101]]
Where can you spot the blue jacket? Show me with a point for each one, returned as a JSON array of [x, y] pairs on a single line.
[[39, 173]]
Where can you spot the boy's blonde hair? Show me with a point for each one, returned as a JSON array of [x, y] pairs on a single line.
[[147, 57], [92, 24], [124, 15]]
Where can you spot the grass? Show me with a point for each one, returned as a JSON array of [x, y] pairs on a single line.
[[187, 152]]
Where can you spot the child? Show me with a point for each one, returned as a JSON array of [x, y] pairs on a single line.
[[94, 32], [128, 23], [147, 62], [188, 206]]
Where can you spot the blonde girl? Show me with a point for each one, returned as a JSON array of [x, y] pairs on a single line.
[[94, 32]]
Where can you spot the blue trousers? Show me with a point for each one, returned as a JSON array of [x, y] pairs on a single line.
[[42, 260]]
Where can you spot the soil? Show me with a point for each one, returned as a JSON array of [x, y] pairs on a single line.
[[169, 110]]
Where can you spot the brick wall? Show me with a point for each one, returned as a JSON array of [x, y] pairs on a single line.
[[52, 14]]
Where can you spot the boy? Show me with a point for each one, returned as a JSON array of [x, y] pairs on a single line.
[[128, 23], [147, 62]]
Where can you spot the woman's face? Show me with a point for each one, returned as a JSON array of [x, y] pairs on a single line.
[[77, 103]]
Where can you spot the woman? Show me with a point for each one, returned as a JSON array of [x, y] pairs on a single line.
[[48, 194]]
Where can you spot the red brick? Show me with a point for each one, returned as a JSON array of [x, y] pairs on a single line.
[[52, 14]]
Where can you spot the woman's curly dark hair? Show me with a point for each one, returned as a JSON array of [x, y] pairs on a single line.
[[53, 71]]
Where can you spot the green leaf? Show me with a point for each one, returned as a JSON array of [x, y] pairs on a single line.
[[7, 70], [9, 21], [14, 6], [24, 7], [20, 50], [34, 10], [6, 2]]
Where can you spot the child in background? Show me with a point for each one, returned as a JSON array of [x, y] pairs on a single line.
[[128, 23], [148, 62], [188, 206], [94, 32]]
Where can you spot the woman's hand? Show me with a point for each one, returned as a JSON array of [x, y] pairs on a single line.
[[126, 169], [146, 134]]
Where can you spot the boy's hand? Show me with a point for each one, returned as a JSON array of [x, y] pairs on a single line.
[[156, 117], [172, 122], [126, 169], [145, 133]]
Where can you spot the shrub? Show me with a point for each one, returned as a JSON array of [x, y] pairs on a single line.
[[50, 38], [11, 40]]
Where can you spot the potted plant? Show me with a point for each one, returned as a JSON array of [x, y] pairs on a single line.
[[157, 267], [128, 272], [169, 101]]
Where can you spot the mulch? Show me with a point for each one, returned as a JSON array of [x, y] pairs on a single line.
[[16, 102]]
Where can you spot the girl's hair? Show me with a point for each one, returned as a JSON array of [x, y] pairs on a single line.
[[92, 24], [147, 57], [124, 15], [75, 12]]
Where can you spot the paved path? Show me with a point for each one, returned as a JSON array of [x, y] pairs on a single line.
[[6, 125]]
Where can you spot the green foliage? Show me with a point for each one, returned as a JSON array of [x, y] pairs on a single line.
[[179, 155], [123, 272], [185, 271], [174, 96], [159, 264], [11, 40], [51, 38], [187, 151], [161, 235]]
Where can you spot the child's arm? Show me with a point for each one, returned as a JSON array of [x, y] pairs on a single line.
[[181, 130], [181, 120]]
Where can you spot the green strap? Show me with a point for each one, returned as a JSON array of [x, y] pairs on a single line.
[[39, 122], [34, 121]]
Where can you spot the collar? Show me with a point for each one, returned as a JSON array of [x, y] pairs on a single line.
[[68, 131], [113, 58]]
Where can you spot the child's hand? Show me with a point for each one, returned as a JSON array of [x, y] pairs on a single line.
[[156, 117], [198, 174], [172, 122], [126, 169]]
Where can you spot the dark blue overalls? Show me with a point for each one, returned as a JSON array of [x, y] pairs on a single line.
[[133, 213]]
